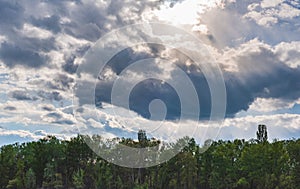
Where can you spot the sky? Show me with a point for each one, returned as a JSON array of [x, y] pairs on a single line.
[[255, 44]]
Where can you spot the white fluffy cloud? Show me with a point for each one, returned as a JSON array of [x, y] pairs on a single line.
[[289, 53], [269, 12], [270, 105], [42, 42]]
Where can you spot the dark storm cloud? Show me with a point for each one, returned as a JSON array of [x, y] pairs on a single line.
[[90, 22], [10, 108], [147, 90], [59, 119], [261, 74], [22, 95], [60, 83], [33, 96], [11, 14], [19, 49], [47, 108], [63, 82], [85, 21], [49, 23], [54, 115], [54, 95], [128, 56], [69, 65], [13, 55]]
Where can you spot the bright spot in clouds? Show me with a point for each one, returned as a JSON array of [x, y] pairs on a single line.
[[256, 43], [185, 12]]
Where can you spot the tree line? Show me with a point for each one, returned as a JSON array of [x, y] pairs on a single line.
[[52, 163]]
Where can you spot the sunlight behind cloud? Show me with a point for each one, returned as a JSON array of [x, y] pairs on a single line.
[[186, 12]]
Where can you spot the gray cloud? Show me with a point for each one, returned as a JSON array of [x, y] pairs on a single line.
[[85, 20], [70, 66], [58, 118], [11, 14], [50, 95], [64, 122], [34, 34], [54, 115], [22, 95], [152, 89], [10, 108], [51, 23], [63, 82], [47, 108], [260, 73], [13, 55]]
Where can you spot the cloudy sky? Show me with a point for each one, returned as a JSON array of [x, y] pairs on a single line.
[[256, 45]]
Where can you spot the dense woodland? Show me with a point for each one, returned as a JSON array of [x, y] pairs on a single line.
[[53, 163]]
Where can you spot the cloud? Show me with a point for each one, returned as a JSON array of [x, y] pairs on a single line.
[[271, 105], [13, 55], [269, 13], [256, 44], [35, 32], [289, 53], [58, 118], [12, 15], [252, 70], [256, 71], [48, 108], [280, 126], [8, 136], [22, 95], [51, 23], [10, 108], [105, 121]]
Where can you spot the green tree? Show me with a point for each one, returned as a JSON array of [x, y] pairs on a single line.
[[30, 180], [293, 148], [78, 179], [8, 157], [262, 134], [18, 180]]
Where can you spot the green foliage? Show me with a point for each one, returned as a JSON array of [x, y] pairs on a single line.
[[239, 164], [262, 134], [8, 166], [78, 179], [30, 180], [242, 183], [52, 179]]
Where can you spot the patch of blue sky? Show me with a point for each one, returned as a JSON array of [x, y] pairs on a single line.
[[12, 139], [4, 77], [293, 110]]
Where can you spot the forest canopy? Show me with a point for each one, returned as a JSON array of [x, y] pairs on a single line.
[[53, 163]]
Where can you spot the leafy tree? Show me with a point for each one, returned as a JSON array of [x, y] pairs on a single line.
[[142, 137], [30, 181], [262, 134], [8, 167], [293, 149], [78, 179], [51, 178], [237, 164], [18, 180]]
